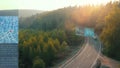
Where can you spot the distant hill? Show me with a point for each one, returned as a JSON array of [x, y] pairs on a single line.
[[48, 20], [28, 12], [9, 12], [20, 12]]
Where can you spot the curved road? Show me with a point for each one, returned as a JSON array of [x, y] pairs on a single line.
[[87, 57]]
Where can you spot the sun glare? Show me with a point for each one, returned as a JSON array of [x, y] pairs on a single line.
[[92, 2], [48, 4]]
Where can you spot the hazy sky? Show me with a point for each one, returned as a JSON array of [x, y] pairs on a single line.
[[46, 4]]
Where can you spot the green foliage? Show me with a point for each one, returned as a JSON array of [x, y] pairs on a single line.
[[111, 33], [64, 46], [72, 38], [50, 34], [65, 18], [45, 45], [47, 20], [38, 63]]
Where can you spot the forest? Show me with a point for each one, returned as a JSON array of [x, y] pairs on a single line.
[[48, 36], [38, 49]]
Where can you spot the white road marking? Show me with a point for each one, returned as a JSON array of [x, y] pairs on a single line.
[[97, 56], [75, 57], [87, 55]]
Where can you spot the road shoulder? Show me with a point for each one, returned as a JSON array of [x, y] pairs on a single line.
[[106, 61]]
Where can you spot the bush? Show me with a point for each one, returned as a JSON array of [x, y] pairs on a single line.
[[38, 63]]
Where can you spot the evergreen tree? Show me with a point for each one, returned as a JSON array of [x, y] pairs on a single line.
[[38, 63]]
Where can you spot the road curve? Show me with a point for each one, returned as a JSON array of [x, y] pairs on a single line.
[[87, 57]]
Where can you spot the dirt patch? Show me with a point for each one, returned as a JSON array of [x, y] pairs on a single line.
[[109, 62]]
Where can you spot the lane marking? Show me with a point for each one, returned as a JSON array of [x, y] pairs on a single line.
[[64, 66], [97, 56], [76, 56], [85, 57]]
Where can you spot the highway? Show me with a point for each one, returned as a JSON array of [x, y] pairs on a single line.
[[87, 57]]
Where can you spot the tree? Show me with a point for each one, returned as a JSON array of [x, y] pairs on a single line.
[[64, 46], [57, 45], [111, 33], [38, 63]]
